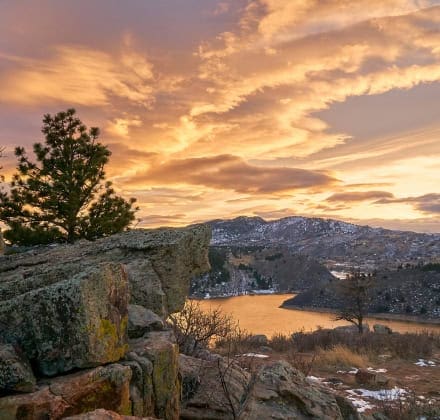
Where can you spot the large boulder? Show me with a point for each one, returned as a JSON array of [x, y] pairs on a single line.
[[372, 378], [15, 371], [213, 389], [282, 392], [158, 391], [78, 322], [142, 320], [104, 386], [221, 389]]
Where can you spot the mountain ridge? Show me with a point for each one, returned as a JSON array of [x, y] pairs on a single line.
[[329, 239]]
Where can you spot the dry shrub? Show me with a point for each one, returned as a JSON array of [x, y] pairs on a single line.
[[238, 342], [340, 357], [195, 328], [281, 342]]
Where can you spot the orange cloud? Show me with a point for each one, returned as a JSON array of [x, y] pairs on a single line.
[[353, 196], [233, 173], [79, 75]]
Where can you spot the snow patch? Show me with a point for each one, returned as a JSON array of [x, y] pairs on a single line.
[[425, 363], [381, 395], [370, 369], [257, 355], [315, 378]]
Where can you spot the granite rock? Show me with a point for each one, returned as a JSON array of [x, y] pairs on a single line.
[[15, 371]]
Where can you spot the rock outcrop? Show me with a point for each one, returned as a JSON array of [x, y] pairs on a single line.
[[104, 386], [78, 322], [65, 308], [159, 265], [219, 389]]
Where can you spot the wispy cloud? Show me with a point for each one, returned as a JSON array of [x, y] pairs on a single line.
[[230, 100]]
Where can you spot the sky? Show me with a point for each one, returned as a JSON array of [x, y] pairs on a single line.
[[221, 108]]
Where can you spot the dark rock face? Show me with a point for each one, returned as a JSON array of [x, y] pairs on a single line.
[[15, 371], [203, 396]]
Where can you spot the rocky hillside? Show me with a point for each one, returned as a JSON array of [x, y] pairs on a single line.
[[83, 336], [329, 240], [256, 269], [408, 291]]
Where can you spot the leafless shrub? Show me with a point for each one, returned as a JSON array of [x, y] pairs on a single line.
[[195, 328]]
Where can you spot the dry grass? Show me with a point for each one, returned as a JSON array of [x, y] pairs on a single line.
[[404, 346], [340, 357]]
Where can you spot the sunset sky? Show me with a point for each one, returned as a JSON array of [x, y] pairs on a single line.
[[220, 108]]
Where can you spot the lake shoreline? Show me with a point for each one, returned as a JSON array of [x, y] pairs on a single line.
[[379, 316]]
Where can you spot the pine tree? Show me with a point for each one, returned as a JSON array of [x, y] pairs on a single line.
[[63, 196]]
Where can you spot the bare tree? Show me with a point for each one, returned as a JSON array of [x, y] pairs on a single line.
[[356, 294], [195, 328]]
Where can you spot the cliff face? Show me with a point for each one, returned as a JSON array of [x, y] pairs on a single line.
[[74, 307]]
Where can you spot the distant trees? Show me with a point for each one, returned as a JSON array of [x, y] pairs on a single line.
[[62, 194], [355, 293]]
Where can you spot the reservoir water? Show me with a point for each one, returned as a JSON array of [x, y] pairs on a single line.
[[261, 314]]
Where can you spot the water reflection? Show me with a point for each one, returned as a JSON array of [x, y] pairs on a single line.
[[261, 314]]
